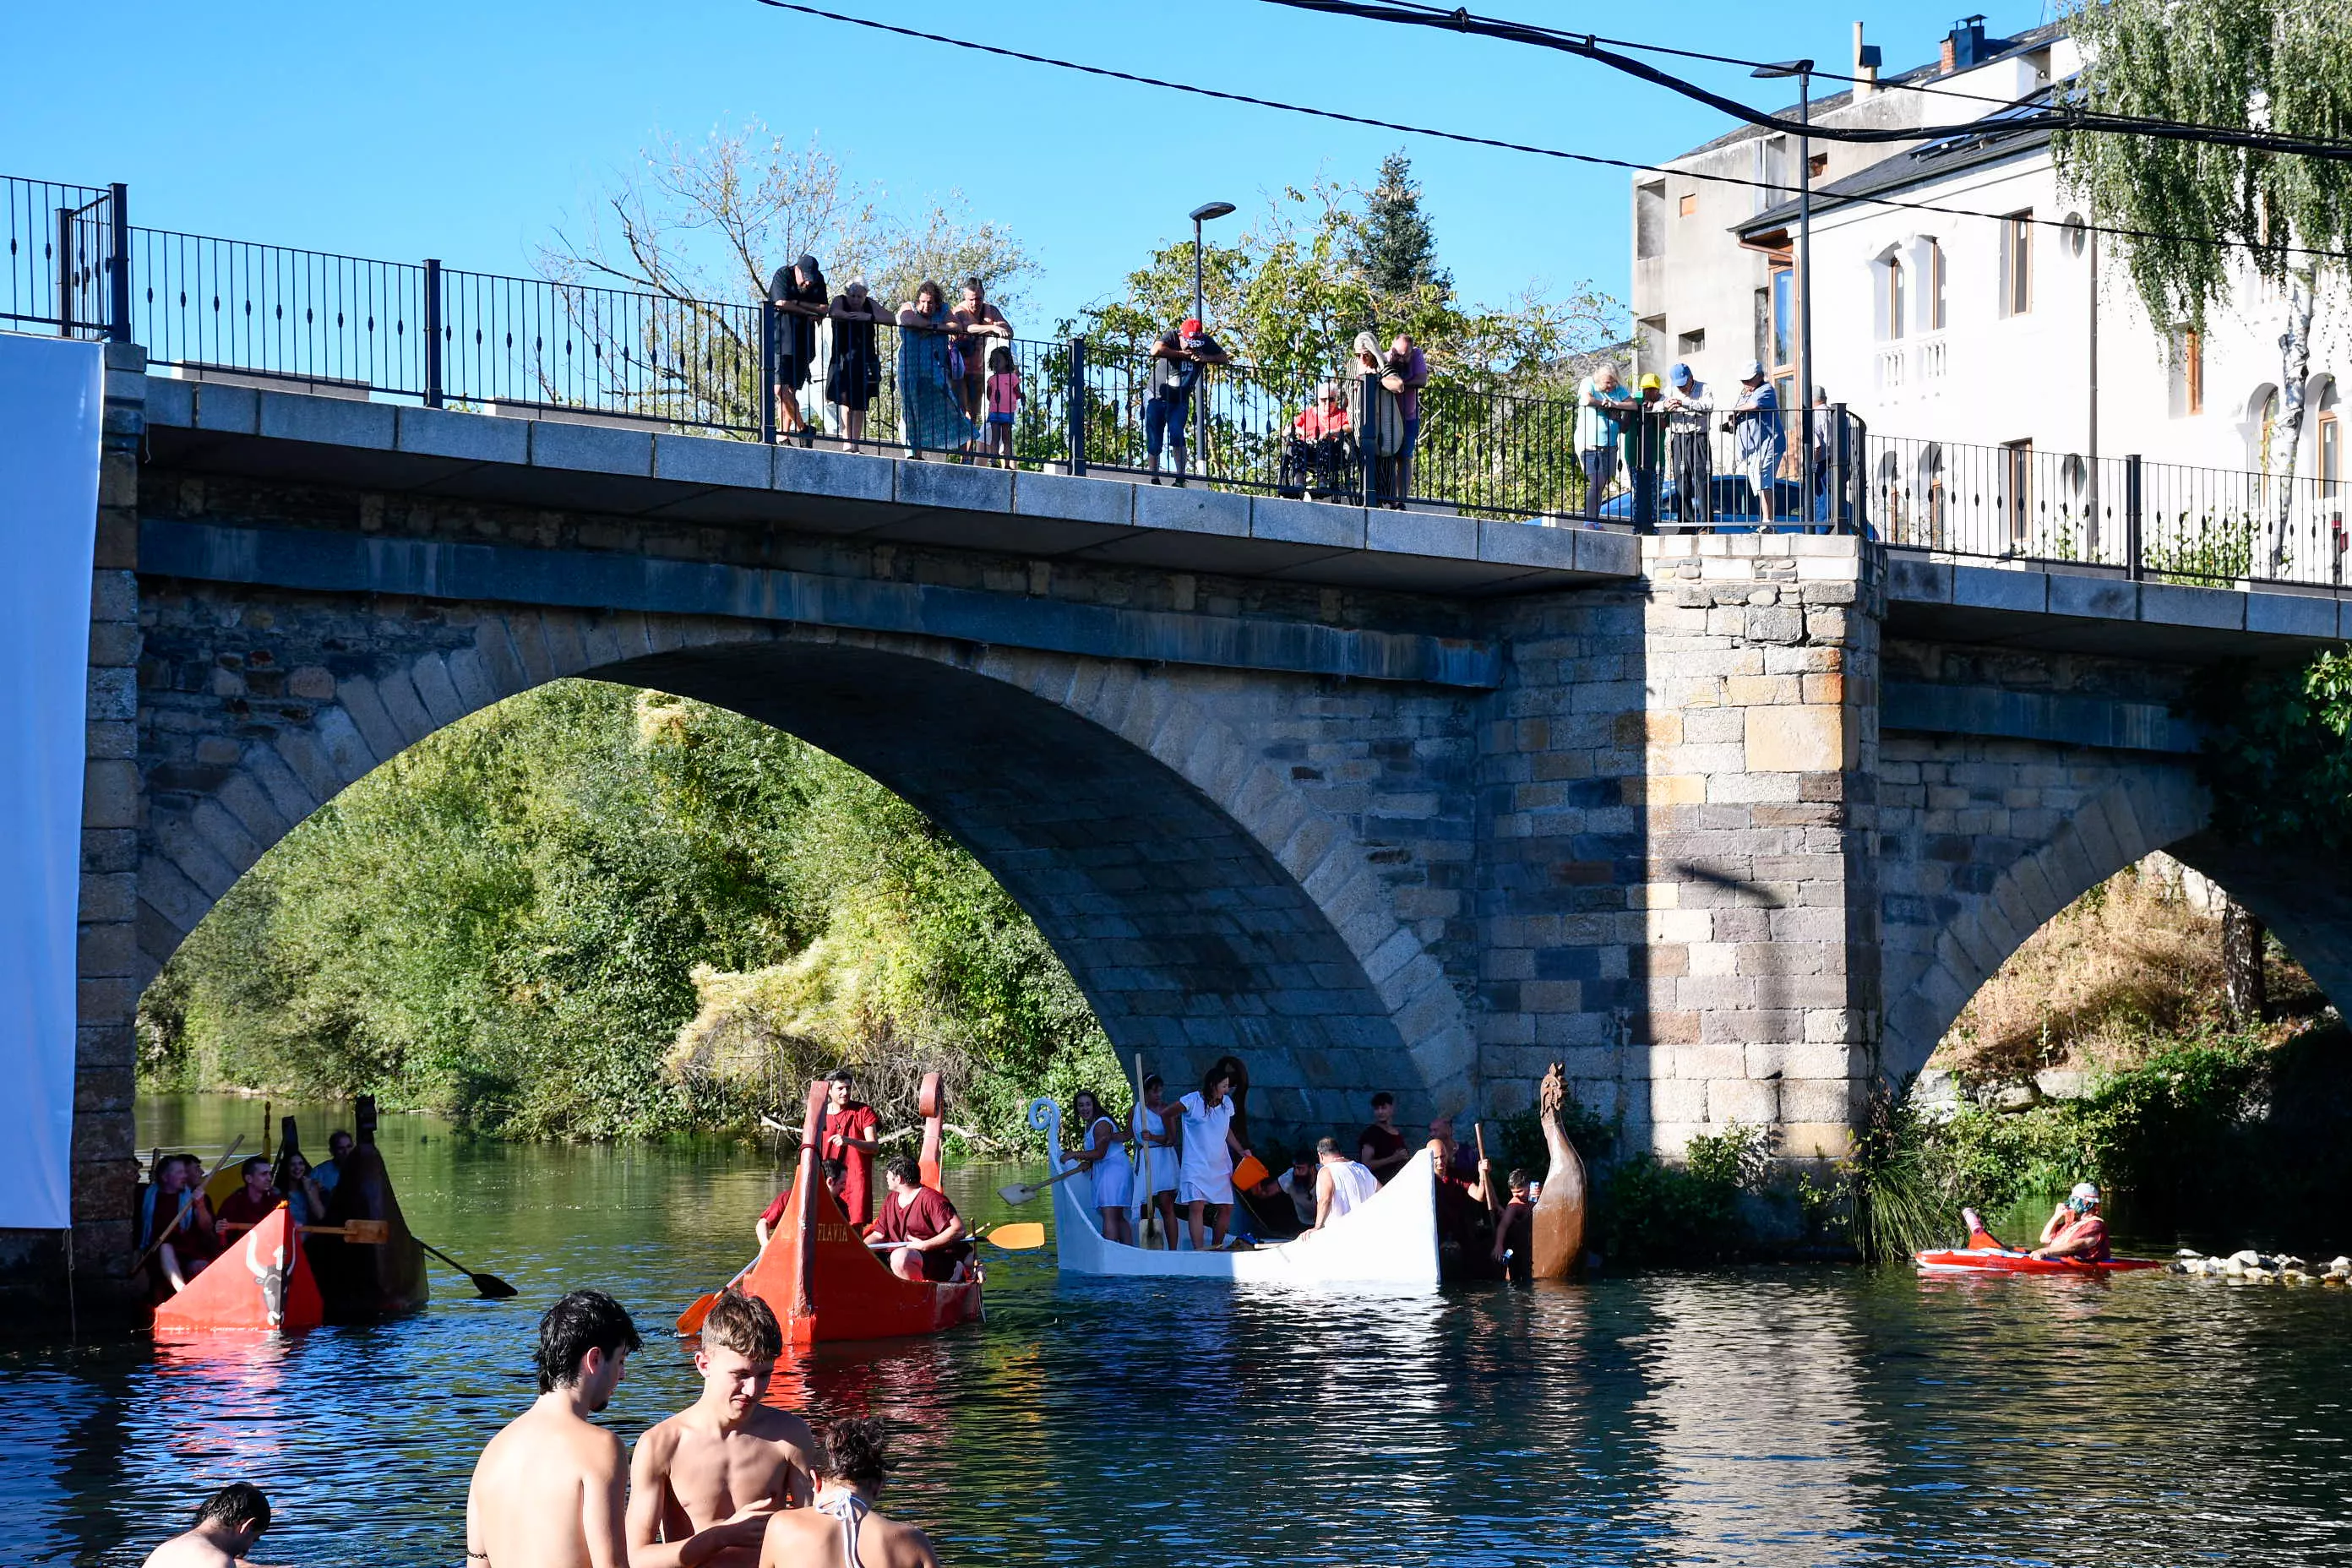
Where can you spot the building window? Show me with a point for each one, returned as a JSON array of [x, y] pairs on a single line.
[[2186, 387], [2331, 455], [2017, 263], [1690, 203], [1818, 163], [1895, 301], [1649, 222], [1691, 343], [1771, 172], [1935, 320], [1784, 318]]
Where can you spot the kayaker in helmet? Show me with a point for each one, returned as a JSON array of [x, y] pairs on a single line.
[[2076, 1229]]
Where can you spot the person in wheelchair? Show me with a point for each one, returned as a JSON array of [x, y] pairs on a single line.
[[1318, 458]]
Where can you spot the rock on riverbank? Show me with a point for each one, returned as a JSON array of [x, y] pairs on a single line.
[[2251, 1268]]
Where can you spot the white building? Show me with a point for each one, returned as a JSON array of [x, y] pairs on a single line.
[[1996, 350]]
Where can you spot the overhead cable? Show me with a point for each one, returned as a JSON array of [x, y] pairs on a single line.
[[1824, 202]]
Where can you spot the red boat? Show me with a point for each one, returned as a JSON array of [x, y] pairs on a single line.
[[2005, 1260], [822, 1280], [261, 1284]]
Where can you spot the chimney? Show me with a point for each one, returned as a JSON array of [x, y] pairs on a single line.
[[1865, 67], [1943, 65], [1964, 45]]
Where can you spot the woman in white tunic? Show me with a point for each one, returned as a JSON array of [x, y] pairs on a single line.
[[1159, 1141], [1205, 1178], [1103, 1151]]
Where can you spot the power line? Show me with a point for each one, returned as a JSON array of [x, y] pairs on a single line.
[[1834, 200], [1586, 45]]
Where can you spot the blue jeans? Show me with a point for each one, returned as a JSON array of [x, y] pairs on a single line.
[[1163, 420]]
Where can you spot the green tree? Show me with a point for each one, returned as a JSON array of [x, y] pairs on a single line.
[[2208, 220], [1395, 247]]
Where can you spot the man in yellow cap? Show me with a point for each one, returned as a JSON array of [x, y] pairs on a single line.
[[1644, 446]]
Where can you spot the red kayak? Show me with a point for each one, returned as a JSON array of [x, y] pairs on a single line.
[[2003, 1260], [824, 1282]]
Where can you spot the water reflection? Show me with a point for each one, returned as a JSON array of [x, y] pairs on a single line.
[[1768, 1417]]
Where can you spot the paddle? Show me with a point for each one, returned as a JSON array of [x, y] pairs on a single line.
[[1025, 1237], [1020, 1193], [156, 1246], [492, 1288]]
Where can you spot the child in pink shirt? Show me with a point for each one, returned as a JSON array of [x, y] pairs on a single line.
[[1003, 399]]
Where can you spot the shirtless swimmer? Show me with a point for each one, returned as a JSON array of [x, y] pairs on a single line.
[[547, 1490], [703, 1483], [227, 1525]]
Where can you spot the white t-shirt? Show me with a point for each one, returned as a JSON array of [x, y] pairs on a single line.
[[1204, 1150]]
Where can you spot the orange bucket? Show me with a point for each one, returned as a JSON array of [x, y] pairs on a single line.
[[1249, 1173]]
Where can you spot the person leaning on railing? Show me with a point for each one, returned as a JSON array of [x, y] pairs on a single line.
[[1690, 447], [1755, 424], [798, 297], [1602, 404], [1178, 358], [852, 373], [1379, 422]]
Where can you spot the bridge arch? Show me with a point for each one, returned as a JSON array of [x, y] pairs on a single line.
[[1200, 899], [1997, 838]]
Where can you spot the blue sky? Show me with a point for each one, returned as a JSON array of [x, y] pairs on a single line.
[[467, 130]]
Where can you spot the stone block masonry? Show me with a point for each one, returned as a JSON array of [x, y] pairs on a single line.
[[1374, 816]]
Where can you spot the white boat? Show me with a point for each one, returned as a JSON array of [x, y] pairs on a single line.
[[1389, 1241]]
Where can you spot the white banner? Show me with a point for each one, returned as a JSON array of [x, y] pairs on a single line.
[[52, 405]]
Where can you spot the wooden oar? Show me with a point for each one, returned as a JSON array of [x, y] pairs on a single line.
[[689, 1322], [156, 1246], [492, 1288], [1020, 1193], [1486, 1169]]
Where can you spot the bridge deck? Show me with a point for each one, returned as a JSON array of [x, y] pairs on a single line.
[[641, 473]]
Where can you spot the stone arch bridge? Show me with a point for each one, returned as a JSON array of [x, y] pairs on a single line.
[[1733, 826]]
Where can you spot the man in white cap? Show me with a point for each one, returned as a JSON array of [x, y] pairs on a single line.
[[1755, 424], [2076, 1229], [1690, 457]]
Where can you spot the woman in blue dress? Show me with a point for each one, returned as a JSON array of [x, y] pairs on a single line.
[[929, 371]]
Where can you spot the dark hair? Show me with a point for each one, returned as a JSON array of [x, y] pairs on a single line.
[[1000, 360], [582, 1321], [977, 286], [835, 1169], [1383, 1098], [903, 1166], [253, 1163], [338, 1132], [1076, 1095], [742, 1323], [840, 1076], [1153, 1082], [1520, 1177], [1326, 1146], [857, 1448], [237, 1505], [1218, 1073], [933, 290]]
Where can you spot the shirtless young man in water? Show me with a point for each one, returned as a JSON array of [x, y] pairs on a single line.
[[703, 1484], [227, 1525], [842, 1530], [547, 1490]]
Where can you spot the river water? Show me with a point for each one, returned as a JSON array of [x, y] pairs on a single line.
[[1797, 1416]]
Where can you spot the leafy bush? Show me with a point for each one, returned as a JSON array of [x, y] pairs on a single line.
[[2278, 752], [1648, 1211]]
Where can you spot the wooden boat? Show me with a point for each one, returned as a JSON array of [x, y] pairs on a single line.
[[820, 1278], [1389, 1242], [261, 1283], [2006, 1260]]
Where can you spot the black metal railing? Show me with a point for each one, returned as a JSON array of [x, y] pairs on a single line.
[[67, 271], [558, 347]]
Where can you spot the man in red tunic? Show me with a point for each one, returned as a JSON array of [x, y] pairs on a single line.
[[250, 1204], [921, 1228], [847, 1134]]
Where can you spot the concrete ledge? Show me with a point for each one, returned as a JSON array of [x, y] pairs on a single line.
[[954, 487], [1073, 499], [170, 402], [1421, 533], [699, 459], [1525, 545], [2216, 607], [591, 448], [438, 433], [1597, 549], [233, 410], [840, 476], [1296, 521], [327, 421], [1193, 510], [2067, 719], [2295, 615], [1992, 588], [2100, 598]]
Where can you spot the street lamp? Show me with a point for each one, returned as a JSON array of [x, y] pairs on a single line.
[[1201, 215], [1804, 71]]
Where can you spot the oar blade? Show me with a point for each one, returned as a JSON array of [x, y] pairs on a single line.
[[1019, 1192], [1021, 1237], [689, 1322], [492, 1288]]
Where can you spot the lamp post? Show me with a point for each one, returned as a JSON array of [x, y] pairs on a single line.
[[1201, 215], [1804, 71]]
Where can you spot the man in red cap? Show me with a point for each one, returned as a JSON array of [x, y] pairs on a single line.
[[1176, 362]]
